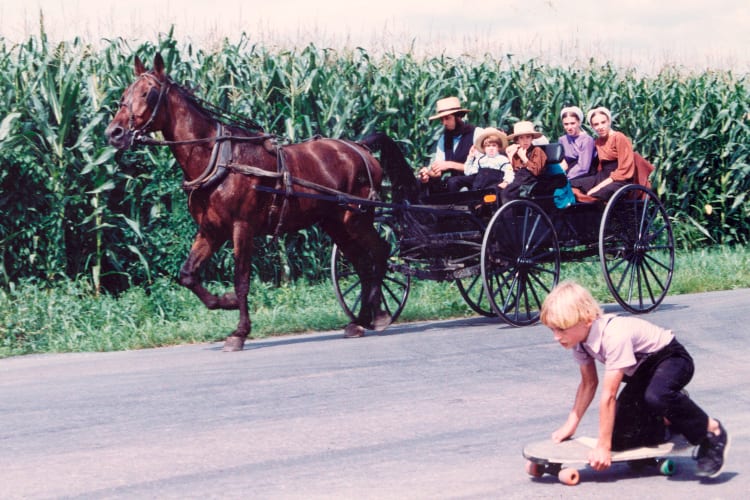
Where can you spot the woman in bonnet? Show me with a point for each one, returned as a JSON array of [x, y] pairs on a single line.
[[616, 158], [577, 145]]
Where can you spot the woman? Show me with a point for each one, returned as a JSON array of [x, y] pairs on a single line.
[[577, 145], [616, 158]]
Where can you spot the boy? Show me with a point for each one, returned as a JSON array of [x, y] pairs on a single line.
[[527, 159], [486, 165], [655, 368]]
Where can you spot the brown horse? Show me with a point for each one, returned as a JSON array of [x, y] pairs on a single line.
[[241, 184]]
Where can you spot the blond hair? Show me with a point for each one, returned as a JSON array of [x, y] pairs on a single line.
[[568, 304]]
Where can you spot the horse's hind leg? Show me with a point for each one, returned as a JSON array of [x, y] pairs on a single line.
[[368, 253], [378, 258]]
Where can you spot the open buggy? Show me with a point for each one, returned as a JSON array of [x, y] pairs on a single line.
[[505, 259], [241, 182]]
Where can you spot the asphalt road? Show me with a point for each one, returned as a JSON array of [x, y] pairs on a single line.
[[428, 410]]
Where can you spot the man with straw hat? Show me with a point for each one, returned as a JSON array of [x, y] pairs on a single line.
[[453, 146]]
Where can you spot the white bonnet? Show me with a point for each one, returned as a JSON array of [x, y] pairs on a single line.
[[572, 109], [600, 109]]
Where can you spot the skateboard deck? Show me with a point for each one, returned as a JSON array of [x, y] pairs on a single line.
[[548, 457]]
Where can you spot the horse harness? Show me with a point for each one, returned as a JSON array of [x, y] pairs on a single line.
[[221, 163]]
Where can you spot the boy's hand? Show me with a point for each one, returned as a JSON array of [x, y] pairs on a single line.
[[600, 458], [566, 430]]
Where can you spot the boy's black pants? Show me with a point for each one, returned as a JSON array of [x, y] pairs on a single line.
[[653, 393]]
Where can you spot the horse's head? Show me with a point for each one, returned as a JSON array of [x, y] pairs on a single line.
[[140, 105]]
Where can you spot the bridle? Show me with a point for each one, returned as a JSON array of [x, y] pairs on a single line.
[[139, 135]]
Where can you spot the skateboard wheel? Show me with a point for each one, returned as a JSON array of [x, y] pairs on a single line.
[[569, 476], [668, 467], [534, 469]]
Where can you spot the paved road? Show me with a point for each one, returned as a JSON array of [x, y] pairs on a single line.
[[430, 410]]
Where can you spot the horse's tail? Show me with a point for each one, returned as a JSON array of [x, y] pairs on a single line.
[[404, 184]]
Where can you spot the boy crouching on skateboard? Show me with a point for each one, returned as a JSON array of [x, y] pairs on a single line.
[[654, 366]]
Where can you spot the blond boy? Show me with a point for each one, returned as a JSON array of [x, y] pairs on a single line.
[[654, 367]]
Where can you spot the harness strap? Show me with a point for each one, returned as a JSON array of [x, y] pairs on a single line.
[[368, 166], [284, 181], [216, 169]]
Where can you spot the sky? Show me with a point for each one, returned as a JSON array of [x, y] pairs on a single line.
[[695, 34]]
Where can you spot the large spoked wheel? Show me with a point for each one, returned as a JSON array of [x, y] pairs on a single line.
[[636, 248], [520, 261], [348, 287]]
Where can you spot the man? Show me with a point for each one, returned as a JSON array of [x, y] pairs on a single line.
[[453, 146]]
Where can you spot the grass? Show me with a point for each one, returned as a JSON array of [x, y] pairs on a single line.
[[69, 318]]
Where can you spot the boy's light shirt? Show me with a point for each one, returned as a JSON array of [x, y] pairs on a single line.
[[496, 162], [621, 343]]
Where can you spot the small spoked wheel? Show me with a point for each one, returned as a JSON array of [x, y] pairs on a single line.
[[636, 248], [470, 285], [520, 261], [348, 288], [472, 290]]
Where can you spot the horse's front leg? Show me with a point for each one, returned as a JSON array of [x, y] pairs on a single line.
[[203, 248], [243, 251]]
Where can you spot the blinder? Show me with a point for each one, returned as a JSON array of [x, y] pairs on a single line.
[[152, 99]]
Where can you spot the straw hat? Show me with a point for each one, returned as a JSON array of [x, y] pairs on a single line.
[[501, 138], [524, 128], [448, 106]]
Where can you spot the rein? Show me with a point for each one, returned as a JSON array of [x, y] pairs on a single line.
[[148, 141]]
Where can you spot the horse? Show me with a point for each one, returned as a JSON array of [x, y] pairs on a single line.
[[241, 183]]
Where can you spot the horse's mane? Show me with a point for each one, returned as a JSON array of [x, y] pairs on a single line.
[[211, 111]]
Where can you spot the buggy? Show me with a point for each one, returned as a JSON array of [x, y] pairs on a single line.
[[506, 259]]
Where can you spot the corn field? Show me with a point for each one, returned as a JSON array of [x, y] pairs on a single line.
[[72, 207]]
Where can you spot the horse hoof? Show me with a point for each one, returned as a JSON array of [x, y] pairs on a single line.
[[233, 344], [381, 322], [353, 331]]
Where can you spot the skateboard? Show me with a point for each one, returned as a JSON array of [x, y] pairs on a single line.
[[548, 457]]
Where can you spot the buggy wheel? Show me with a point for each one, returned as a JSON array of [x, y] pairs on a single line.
[[520, 261], [636, 248], [472, 290], [348, 287]]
